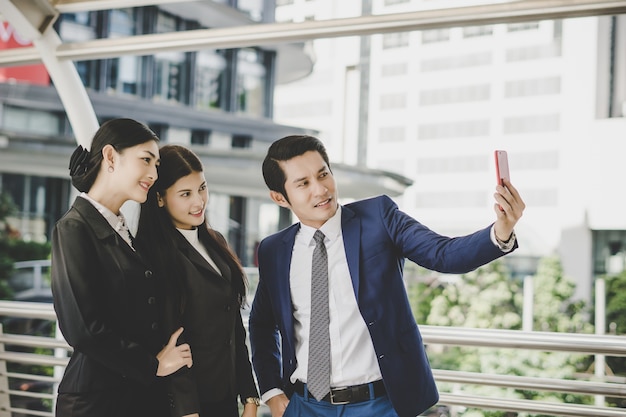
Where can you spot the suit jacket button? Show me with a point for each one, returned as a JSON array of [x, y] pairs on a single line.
[[148, 274], [151, 300], [155, 326], [227, 307]]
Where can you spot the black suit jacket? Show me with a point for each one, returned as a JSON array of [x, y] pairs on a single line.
[[214, 330], [106, 300]]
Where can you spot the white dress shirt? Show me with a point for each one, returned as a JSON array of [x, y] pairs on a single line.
[[353, 358], [117, 221]]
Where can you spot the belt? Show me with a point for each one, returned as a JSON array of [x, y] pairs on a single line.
[[348, 395]]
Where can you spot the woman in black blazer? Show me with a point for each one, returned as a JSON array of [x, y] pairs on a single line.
[[105, 294], [208, 284]]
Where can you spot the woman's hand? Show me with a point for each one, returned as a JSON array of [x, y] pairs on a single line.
[[249, 410], [172, 358]]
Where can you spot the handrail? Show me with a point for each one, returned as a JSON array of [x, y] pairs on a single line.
[[492, 338], [529, 406], [532, 383], [516, 339]]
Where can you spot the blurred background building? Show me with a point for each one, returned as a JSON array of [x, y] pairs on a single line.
[[219, 102], [433, 105]]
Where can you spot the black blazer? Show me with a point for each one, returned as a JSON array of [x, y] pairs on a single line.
[[106, 300], [213, 328]]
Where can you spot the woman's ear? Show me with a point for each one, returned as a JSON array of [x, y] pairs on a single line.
[[160, 201], [108, 157]]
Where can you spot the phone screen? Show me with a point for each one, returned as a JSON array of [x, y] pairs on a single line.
[[502, 166]]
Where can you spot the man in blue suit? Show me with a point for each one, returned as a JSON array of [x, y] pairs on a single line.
[[378, 366]]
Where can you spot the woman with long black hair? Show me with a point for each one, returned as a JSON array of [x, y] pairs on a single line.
[[207, 282]]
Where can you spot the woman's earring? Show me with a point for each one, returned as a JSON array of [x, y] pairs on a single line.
[[111, 169]]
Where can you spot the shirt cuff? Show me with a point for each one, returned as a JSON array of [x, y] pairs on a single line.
[[503, 246], [271, 394]]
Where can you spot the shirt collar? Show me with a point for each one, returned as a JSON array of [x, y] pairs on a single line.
[[331, 229], [116, 221]]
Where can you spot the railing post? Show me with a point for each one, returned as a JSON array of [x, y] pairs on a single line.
[[529, 302], [600, 323], [5, 401]]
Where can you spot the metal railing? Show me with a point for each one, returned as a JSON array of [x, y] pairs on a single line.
[[57, 349]]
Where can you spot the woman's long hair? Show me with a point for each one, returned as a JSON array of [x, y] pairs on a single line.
[[157, 233]]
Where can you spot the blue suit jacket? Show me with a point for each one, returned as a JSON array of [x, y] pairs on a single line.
[[377, 238]]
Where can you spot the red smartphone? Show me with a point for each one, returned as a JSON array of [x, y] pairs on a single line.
[[502, 166]]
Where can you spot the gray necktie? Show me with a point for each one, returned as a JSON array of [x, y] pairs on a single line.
[[318, 379]]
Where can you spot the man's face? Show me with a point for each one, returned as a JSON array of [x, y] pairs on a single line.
[[311, 189]]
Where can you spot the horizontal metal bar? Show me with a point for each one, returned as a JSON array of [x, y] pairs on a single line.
[[275, 33], [34, 341], [23, 411], [33, 359], [30, 394], [529, 406], [532, 383], [516, 339]]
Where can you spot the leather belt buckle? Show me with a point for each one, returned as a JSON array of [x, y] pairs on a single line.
[[340, 390]]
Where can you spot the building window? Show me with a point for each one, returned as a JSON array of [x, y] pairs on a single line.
[[80, 27], [534, 52], [518, 27], [208, 90], [463, 94], [392, 70], [462, 129], [395, 40], [241, 141], [392, 101], [532, 124], [452, 164], [532, 87], [123, 73], [455, 62], [251, 81], [391, 134], [476, 31], [200, 137], [435, 35], [32, 121]]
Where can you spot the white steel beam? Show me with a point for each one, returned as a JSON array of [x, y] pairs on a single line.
[[31, 21], [276, 33]]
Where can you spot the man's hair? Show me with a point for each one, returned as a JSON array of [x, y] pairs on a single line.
[[283, 150]]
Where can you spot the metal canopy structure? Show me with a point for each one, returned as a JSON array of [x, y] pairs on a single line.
[[34, 19]]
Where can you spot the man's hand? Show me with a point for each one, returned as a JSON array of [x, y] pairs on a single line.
[[278, 404], [172, 358], [509, 209]]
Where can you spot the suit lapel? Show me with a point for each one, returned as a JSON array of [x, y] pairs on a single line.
[[283, 266], [198, 260], [351, 230], [101, 227]]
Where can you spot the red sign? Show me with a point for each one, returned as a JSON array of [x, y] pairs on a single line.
[[31, 74]]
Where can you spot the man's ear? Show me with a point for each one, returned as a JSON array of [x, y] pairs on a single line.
[[160, 201], [279, 199]]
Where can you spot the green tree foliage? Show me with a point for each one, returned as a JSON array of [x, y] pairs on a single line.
[[490, 298], [12, 248]]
